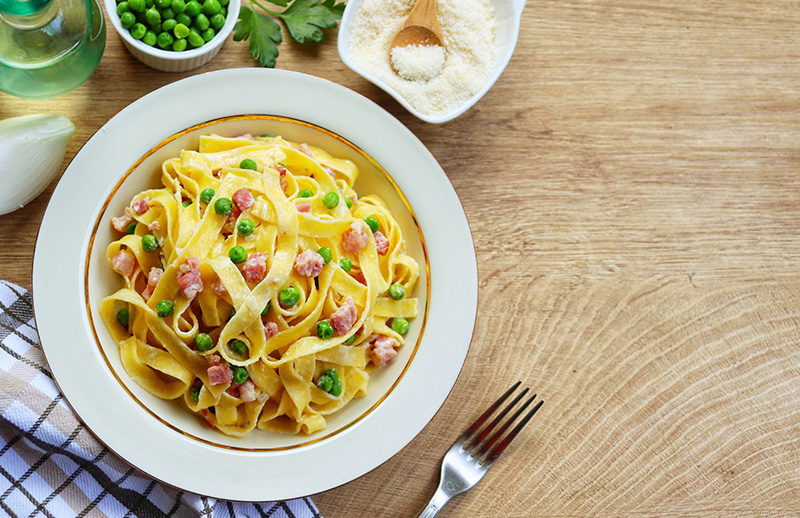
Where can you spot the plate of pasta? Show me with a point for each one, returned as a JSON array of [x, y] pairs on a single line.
[[254, 284]]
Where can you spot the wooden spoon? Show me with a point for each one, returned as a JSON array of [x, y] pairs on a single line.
[[422, 28]]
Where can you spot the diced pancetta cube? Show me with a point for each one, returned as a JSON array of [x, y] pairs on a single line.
[[304, 207], [219, 288], [243, 199], [383, 350], [123, 263], [355, 238], [282, 171], [213, 360], [247, 391], [343, 318], [330, 171], [189, 277], [309, 263], [154, 226], [230, 221], [270, 329], [303, 148], [120, 223], [219, 374], [255, 267], [141, 205], [152, 280], [381, 243]]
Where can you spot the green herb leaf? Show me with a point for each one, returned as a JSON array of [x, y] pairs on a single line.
[[264, 34], [307, 18]]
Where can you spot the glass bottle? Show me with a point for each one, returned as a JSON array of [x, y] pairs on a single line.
[[49, 47]]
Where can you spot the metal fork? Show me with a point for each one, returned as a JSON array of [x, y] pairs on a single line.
[[471, 456]]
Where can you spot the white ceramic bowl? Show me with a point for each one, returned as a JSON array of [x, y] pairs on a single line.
[[402, 397], [508, 14], [167, 60]]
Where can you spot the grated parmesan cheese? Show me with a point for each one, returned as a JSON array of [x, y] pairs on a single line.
[[418, 62], [469, 30]]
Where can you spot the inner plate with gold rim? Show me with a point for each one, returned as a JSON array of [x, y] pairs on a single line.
[[159, 437]]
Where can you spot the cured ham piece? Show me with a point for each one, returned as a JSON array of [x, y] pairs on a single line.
[[189, 277], [381, 243], [282, 171], [219, 374], [355, 238], [152, 281], [255, 268], [123, 263], [270, 329], [219, 288], [384, 350], [303, 148], [304, 207], [140, 206], [243, 199], [120, 223], [343, 318], [309, 263], [247, 391]]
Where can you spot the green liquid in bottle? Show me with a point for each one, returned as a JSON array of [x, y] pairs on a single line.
[[49, 47]]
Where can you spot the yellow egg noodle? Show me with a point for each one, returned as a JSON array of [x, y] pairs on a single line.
[[278, 368]]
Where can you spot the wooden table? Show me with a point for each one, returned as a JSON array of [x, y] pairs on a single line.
[[632, 186]]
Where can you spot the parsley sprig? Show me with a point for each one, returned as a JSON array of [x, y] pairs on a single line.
[[305, 19]]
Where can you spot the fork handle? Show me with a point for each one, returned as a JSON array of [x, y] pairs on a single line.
[[437, 502]]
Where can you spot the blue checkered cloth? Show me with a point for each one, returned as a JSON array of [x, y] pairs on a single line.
[[51, 466]]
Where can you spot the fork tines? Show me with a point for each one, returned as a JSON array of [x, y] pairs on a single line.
[[477, 445]]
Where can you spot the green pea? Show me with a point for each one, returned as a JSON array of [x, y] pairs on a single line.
[[178, 6], [122, 7], [349, 203], [149, 243], [183, 19], [346, 264], [248, 164], [201, 22], [325, 383], [224, 11], [137, 5], [165, 40], [208, 34], [138, 31], [397, 291], [326, 254], [237, 254], [149, 3], [164, 308], [131, 228], [223, 3], [163, 4], [124, 317], [238, 346], [152, 16], [168, 26], [156, 30], [186, 203], [246, 227], [336, 388], [127, 19], [179, 45], [372, 223], [211, 7], [195, 394], [400, 325], [289, 296], [167, 14], [324, 330], [223, 206], [333, 373], [265, 310], [195, 40], [150, 38], [240, 375], [206, 195], [217, 21], [181, 30], [305, 193], [193, 8], [331, 200], [203, 342], [350, 340]]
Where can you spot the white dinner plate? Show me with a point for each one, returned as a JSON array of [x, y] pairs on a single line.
[[71, 276]]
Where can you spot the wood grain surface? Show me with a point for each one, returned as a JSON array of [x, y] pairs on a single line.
[[632, 186]]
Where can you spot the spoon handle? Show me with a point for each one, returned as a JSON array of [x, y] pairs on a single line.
[[424, 14]]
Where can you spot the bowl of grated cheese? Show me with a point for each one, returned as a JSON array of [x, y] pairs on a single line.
[[479, 37]]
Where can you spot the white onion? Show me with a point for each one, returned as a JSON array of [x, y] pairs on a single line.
[[32, 148]]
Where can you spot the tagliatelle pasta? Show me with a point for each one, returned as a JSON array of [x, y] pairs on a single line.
[[259, 290]]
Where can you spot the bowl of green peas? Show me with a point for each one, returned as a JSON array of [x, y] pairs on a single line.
[[173, 35]]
